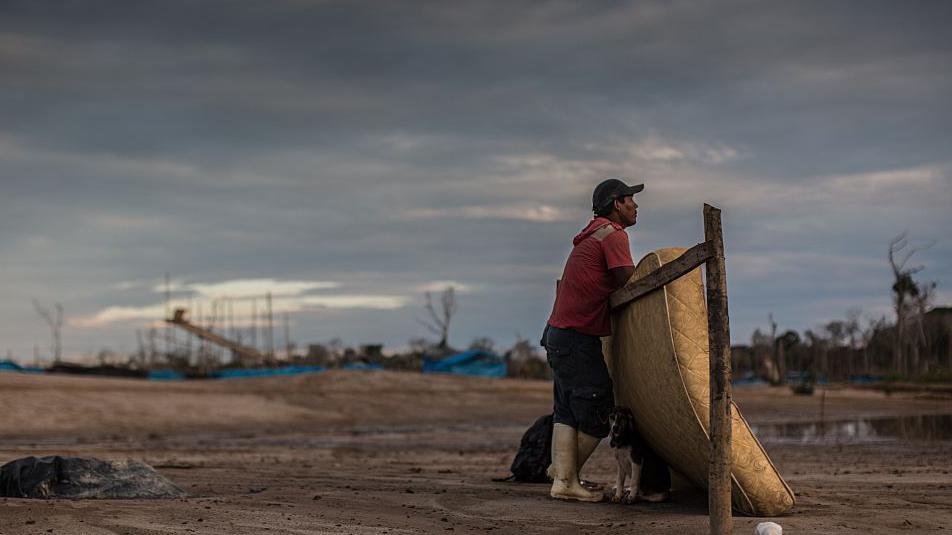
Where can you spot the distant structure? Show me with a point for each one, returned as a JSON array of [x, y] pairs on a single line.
[[245, 355]]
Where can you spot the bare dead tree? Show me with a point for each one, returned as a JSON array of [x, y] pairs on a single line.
[[836, 336], [153, 350], [270, 330], [167, 329], [55, 322], [920, 305], [254, 323], [778, 351], [852, 331], [141, 358], [905, 293], [335, 349], [438, 322], [873, 326], [818, 349], [288, 344]]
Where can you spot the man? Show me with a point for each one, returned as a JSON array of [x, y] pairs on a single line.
[[599, 264]]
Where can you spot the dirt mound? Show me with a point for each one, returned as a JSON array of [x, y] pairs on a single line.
[[54, 405]]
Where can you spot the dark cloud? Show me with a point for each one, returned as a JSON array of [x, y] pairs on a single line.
[[388, 145]]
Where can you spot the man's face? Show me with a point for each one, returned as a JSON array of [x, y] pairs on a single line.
[[627, 210]]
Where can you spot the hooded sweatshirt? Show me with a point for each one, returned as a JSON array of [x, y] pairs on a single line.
[[581, 302]]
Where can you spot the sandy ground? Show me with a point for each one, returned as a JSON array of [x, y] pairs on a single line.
[[390, 453]]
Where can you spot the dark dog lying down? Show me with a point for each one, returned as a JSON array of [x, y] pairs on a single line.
[[650, 479]]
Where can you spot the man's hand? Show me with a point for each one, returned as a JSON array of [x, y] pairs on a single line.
[[620, 275]]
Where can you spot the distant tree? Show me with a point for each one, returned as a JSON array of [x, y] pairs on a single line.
[[140, 357], [920, 305], [836, 332], [154, 352], [761, 358], [316, 353], [335, 349], [779, 354], [759, 338], [482, 342], [523, 349], [438, 321], [418, 346], [818, 351], [851, 330], [55, 322], [789, 340], [524, 361], [837, 360], [106, 357], [868, 333], [371, 351], [937, 327], [908, 298]]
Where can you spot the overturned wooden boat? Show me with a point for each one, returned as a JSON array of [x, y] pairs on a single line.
[[658, 359]]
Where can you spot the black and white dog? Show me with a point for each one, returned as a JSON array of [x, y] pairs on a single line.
[[631, 452]]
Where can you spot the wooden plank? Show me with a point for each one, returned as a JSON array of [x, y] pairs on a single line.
[[680, 266], [718, 325]]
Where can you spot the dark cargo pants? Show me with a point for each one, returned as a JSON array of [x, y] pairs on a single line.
[[583, 389]]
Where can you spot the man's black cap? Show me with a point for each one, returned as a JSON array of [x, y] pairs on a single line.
[[612, 189]]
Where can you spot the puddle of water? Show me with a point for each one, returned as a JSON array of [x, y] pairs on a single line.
[[929, 427]]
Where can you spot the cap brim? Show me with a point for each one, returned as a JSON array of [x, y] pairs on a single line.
[[631, 190]]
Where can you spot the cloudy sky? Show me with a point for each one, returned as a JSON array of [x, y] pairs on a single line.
[[349, 156]]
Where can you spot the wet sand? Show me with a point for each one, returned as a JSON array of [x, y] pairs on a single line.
[[384, 452]]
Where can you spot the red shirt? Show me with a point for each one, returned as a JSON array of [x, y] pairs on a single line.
[[582, 300]]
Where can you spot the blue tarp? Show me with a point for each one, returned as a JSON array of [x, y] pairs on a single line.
[[473, 362], [236, 373], [866, 379], [797, 377], [360, 366], [10, 366], [165, 375]]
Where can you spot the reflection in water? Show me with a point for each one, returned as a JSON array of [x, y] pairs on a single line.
[[921, 427]]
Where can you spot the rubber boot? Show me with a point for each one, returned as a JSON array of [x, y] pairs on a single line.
[[565, 484], [586, 446]]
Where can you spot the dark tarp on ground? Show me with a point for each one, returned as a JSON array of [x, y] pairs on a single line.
[[79, 478]]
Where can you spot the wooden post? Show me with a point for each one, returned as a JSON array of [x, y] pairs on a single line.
[[718, 326], [287, 336], [168, 315], [270, 332]]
